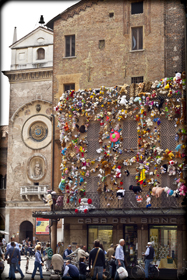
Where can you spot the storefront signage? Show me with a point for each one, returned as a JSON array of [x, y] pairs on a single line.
[[127, 221]]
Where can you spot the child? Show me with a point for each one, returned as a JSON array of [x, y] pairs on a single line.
[[82, 269]]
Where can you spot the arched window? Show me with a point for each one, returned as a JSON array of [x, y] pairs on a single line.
[[40, 53]]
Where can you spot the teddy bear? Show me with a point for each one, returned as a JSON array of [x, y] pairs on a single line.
[[48, 199], [135, 189], [123, 100], [59, 201], [183, 190], [85, 205], [149, 122], [171, 168], [106, 166], [118, 172], [168, 154], [157, 191], [168, 191]]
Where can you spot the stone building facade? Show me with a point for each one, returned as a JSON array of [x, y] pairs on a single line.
[[3, 172], [30, 131]]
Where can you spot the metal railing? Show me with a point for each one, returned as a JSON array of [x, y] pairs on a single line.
[[27, 191], [109, 201]]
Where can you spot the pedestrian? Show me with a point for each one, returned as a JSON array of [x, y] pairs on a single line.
[[79, 253], [48, 256], [60, 249], [82, 268], [38, 262], [13, 254], [110, 252], [97, 259], [112, 263], [120, 257], [149, 256], [18, 269], [67, 252], [72, 270]]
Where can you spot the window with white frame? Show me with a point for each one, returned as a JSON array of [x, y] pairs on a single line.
[[137, 38], [69, 45]]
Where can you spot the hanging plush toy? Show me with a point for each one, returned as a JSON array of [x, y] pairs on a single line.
[[85, 205], [148, 200]]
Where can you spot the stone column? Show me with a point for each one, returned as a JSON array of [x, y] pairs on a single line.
[[54, 235]]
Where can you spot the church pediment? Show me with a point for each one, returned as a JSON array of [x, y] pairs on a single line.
[[38, 37]]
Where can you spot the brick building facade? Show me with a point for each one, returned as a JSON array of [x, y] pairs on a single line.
[[98, 47]]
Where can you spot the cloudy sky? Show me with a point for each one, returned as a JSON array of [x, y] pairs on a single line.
[[24, 15]]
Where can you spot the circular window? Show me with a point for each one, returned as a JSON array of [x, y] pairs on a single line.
[[36, 132]]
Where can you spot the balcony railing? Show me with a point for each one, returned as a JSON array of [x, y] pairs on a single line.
[[107, 201], [27, 191]]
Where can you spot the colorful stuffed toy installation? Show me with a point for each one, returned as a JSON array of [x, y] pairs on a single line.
[[111, 107]]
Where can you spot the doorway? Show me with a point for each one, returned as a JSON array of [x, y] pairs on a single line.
[[26, 230]]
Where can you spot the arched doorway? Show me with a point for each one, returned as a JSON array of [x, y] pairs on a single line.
[[26, 230], [2, 223]]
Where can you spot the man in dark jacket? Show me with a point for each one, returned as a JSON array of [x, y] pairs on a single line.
[[149, 256], [13, 254], [100, 262], [72, 270], [67, 252]]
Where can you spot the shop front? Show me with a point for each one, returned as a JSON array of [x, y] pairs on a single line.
[[167, 234]]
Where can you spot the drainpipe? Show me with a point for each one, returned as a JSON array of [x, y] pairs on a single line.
[[53, 150]]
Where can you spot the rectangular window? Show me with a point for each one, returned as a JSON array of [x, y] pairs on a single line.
[[136, 80], [164, 240], [70, 45], [131, 241], [103, 233], [167, 134], [137, 8], [137, 38], [93, 139], [69, 87]]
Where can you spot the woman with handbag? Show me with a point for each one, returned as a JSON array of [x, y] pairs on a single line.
[[97, 259], [38, 262]]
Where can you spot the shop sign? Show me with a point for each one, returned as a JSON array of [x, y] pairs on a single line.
[[127, 221]]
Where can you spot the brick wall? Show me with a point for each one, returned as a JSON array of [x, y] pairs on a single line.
[[174, 37]]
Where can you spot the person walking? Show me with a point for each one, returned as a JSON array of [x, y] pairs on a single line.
[[13, 254], [38, 262], [110, 252], [120, 257], [18, 265], [97, 257], [48, 256], [149, 256], [79, 253], [82, 269], [72, 270], [60, 249], [67, 252]]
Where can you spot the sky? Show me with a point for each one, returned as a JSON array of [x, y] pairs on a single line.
[[24, 15]]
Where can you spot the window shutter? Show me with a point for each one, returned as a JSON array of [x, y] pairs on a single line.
[[93, 137], [167, 134]]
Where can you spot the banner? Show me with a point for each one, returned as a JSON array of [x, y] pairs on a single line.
[[42, 226]]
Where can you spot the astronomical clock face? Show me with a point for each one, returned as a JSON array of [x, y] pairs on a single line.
[[36, 132]]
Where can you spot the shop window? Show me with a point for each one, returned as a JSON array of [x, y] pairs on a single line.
[[93, 137], [164, 240], [167, 134], [131, 244], [137, 38], [136, 80], [137, 8], [69, 87], [70, 45], [103, 233], [40, 53]]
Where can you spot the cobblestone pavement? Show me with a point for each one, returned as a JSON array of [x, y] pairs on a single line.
[[28, 275]]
